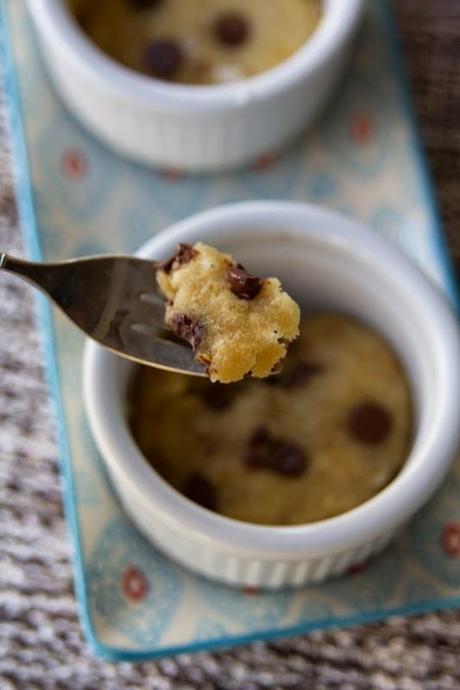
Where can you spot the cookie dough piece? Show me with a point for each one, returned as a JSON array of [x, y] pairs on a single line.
[[325, 435], [237, 324]]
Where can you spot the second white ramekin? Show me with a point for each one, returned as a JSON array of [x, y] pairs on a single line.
[[193, 127], [330, 262]]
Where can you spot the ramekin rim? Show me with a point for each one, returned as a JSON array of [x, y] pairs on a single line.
[[350, 526], [339, 21]]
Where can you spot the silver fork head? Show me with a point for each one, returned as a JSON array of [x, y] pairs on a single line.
[[115, 301]]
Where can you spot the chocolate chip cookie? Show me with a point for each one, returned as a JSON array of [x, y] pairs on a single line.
[[323, 436], [238, 324], [198, 41]]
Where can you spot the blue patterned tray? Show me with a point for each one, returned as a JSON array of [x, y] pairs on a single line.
[[78, 198]]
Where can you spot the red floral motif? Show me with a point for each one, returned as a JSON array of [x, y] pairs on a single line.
[[172, 175], [450, 539], [250, 591], [264, 163], [362, 128], [356, 569], [74, 163], [134, 584]]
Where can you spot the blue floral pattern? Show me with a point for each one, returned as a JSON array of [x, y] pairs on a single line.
[[92, 483], [79, 171], [315, 609], [132, 586], [360, 131], [322, 186], [249, 608], [370, 585], [208, 629], [170, 190], [436, 535], [360, 159]]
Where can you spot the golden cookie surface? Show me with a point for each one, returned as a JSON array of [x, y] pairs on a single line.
[[324, 436]]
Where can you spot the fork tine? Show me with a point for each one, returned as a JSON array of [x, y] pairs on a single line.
[[127, 314], [108, 297], [165, 354]]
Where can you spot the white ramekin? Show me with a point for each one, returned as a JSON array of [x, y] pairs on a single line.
[[327, 261], [193, 127]]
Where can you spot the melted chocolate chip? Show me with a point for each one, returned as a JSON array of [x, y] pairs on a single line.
[[200, 490], [163, 58], [277, 368], [242, 283], [296, 377], [184, 253], [258, 457], [259, 436], [231, 29], [258, 452], [277, 380], [218, 396], [144, 4], [369, 423], [303, 373], [276, 454], [289, 458], [188, 329]]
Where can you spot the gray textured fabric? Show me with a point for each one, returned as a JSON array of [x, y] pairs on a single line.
[[41, 644]]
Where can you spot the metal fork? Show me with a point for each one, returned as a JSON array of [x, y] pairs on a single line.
[[115, 301]]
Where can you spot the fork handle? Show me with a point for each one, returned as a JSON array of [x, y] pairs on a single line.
[[32, 272], [15, 265]]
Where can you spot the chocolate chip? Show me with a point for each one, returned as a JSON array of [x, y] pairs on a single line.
[[184, 253], [260, 435], [188, 329], [369, 423], [164, 58], [277, 368], [303, 373], [284, 457], [258, 452], [258, 457], [200, 490], [289, 458], [231, 29], [242, 283], [218, 396], [296, 377], [144, 4]]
